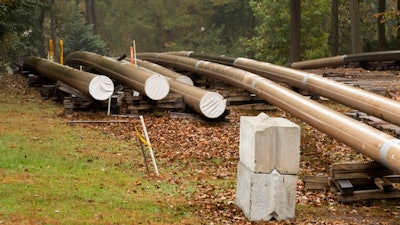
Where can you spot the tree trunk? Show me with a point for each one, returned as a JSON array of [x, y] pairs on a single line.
[[91, 14], [41, 50], [295, 30], [381, 26], [398, 25], [356, 39], [334, 28], [53, 29]]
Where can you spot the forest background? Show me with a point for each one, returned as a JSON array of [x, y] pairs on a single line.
[[277, 31]]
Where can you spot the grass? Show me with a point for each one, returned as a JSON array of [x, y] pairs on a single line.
[[52, 173]]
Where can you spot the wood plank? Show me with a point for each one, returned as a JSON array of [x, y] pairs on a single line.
[[368, 195], [393, 178], [384, 184], [96, 121], [353, 170], [316, 183], [356, 166], [345, 187]]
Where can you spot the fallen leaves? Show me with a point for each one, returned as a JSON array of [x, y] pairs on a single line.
[[200, 158]]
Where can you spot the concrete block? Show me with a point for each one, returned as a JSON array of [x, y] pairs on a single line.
[[268, 144], [263, 197]]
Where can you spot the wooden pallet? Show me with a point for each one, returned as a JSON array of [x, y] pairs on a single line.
[[363, 181], [375, 122], [137, 103]]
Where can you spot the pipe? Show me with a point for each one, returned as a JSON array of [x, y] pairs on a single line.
[[209, 104], [165, 72], [153, 86], [357, 98], [97, 86], [347, 59], [334, 61], [363, 138]]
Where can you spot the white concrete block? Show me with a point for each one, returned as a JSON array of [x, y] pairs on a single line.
[[265, 196], [268, 143]]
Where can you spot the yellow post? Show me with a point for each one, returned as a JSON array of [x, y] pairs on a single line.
[[61, 53], [51, 51]]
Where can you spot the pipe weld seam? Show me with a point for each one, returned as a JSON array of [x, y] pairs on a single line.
[[305, 79], [385, 148], [234, 61], [198, 63], [255, 81]]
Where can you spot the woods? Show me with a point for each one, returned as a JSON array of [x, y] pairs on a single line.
[[267, 30]]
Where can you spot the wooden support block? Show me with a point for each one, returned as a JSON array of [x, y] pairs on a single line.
[[384, 184], [358, 170], [316, 183], [393, 178], [72, 91], [345, 187], [368, 195]]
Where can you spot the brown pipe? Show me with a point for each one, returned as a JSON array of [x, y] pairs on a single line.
[[357, 98], [318, 63], [98, 86], [153, 86], [209, 104], [367, 140], [165, 72]]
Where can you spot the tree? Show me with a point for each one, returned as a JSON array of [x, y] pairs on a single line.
[[90, 14], [381, 25], [79, 36], [295, 30], [356, 39], [334, 34], [270, 41], [20, 32]]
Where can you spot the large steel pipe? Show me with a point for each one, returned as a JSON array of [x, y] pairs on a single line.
[[207, 103], [319, 63], [374, 143], [165, 72], [357, 98], [97, 86], [153, 86], [347, 59]]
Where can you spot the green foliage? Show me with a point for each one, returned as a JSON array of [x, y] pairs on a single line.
[[157, 25], [19, 31], [79, 36], [255, 28], [271, 41]]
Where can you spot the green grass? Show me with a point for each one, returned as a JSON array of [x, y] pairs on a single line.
[[52, 173]]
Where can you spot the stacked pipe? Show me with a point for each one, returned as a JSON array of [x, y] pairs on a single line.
[[152, 85], [165, 72], [207, 103], [374, 143], [357, 98], [97, 86], [210, 104]]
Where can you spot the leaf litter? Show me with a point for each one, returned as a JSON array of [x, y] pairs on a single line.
[[200, 157]]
